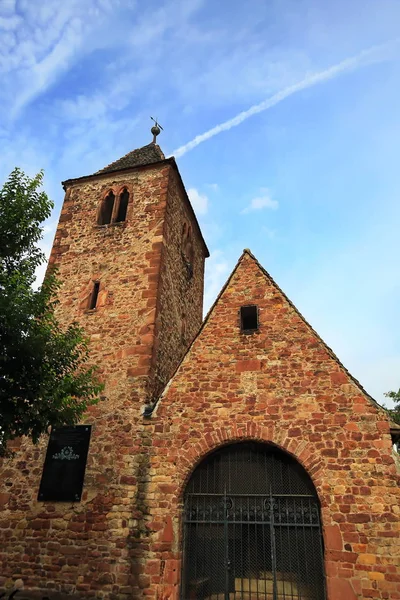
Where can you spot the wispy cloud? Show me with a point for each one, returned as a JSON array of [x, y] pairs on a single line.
[[42, 41], [217, 270], [199, 201], [260, 202], [269, 233], [45, 244], [365, 57]]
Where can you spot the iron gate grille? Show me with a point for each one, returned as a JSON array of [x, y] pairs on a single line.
[[252, 528]]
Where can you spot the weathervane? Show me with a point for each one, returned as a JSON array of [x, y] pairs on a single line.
[[156, 129]]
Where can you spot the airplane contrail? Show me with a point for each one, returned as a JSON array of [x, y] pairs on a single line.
[[363, 58]]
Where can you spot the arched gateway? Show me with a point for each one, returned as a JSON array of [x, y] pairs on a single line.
[[252, 528]]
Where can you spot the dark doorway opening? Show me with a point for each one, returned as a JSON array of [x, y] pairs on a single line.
[[252, 528]]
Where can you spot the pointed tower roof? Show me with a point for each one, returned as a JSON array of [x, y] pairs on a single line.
[[140, 157]]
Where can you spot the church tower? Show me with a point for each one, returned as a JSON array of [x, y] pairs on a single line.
[[130, 256]]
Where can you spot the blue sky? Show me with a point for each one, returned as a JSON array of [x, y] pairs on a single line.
[[284, 116]]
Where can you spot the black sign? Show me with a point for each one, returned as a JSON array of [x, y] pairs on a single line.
[[65, 463]]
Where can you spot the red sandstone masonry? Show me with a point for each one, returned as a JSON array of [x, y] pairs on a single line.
[[280, 385], [180, 292], [94, 548]]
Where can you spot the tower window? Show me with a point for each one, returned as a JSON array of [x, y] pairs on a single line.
[[248, 318], [106, 209], [122, 206], [94, 295]]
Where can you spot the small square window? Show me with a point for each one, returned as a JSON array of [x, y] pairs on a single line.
[[248, 318]]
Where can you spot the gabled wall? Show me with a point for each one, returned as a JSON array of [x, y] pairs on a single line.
[[280, 385]]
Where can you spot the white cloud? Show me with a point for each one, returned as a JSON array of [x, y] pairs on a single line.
[[84, 107], [49, 227], [260, 202], [11, 23], [45, 245], [270, 233], [363, 58], [85, 151], [44, 72], [217, 271], [199, 201], [48, 38], [7, 7], [95, 105]]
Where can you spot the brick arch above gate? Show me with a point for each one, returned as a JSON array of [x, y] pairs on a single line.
[[192, 454]]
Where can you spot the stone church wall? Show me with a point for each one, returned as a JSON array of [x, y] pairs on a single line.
[[91, 548], [279, 385], [179, 309]]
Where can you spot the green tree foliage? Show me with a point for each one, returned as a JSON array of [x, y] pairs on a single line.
[[45, 378], [394, 413]]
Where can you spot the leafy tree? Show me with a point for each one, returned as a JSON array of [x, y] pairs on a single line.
[[44, 376], [394, 413]]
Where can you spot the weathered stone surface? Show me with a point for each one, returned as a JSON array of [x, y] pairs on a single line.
[[280, 385], [136, 340]]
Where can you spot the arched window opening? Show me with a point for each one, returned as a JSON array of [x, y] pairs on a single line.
[[122, 206], [252, 528], [106, 209]]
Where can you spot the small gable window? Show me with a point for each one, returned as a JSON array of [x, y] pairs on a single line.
[[248, 318], [122, 206], [94, 295], [106, 209]]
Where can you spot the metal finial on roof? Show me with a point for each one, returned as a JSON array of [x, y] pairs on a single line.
[[156, 129]]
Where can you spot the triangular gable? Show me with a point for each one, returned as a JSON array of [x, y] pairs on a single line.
[[249, 262]]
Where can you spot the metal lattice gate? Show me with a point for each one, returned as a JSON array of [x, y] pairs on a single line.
[[252, 528]]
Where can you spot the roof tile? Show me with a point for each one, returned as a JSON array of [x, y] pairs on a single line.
[[146, 155]]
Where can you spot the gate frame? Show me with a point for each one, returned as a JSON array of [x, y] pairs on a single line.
[[193, 455]]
